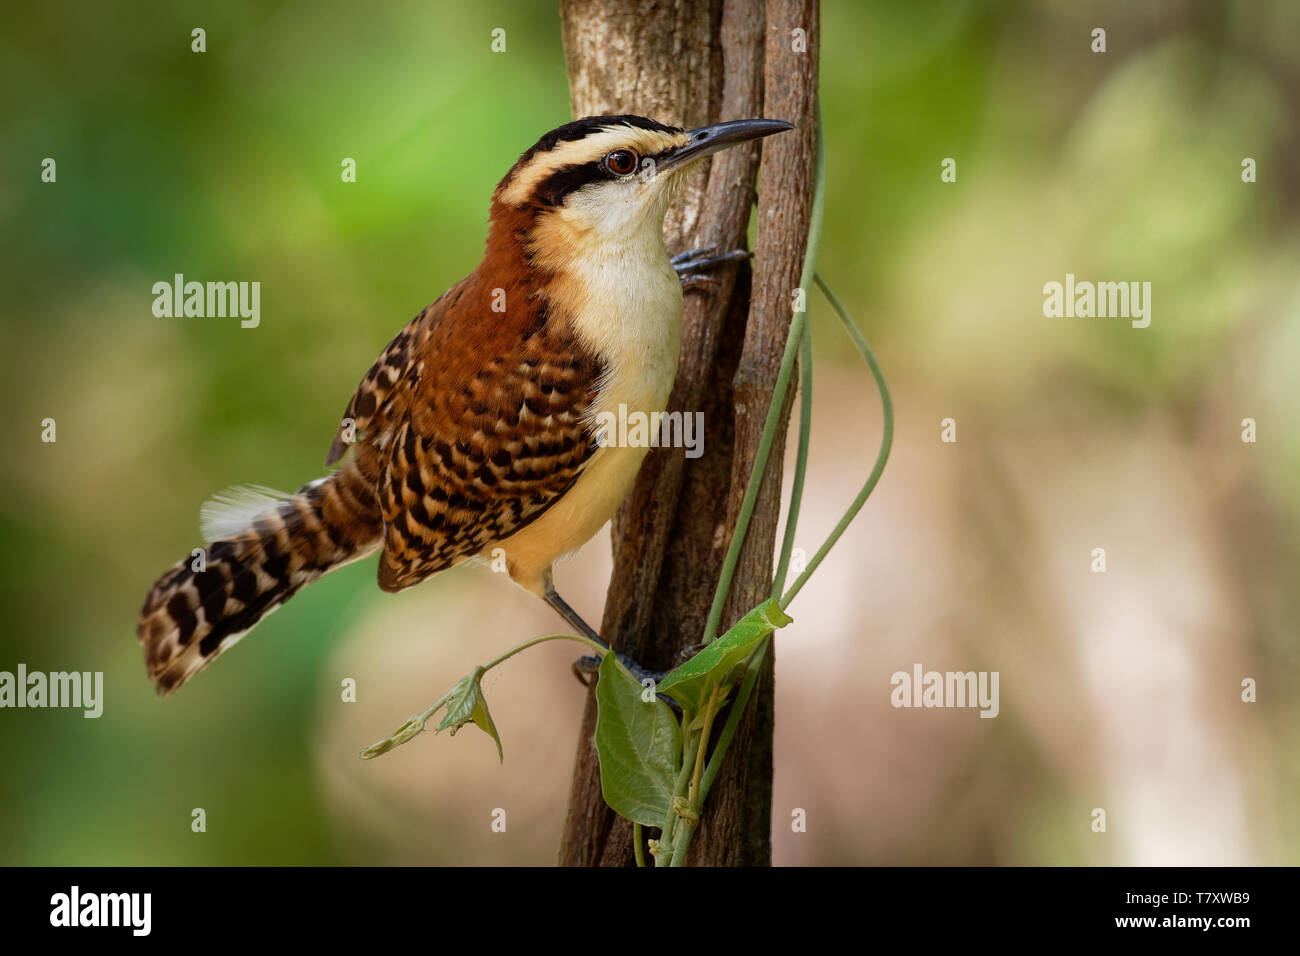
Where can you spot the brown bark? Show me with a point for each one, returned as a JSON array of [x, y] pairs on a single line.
[[730, 833], [694, 63]]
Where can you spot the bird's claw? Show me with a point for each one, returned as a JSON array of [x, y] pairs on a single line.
[[690, 264], [591, 665], [698, 282]]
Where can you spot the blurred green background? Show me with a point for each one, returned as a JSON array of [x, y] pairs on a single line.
[[1119, 691]]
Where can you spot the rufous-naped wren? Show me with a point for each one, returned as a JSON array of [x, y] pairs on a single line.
[[475, 429]]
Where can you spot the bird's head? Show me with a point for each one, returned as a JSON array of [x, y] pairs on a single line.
[[606, 180]]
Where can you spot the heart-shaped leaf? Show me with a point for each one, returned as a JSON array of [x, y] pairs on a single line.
[[638, 743]]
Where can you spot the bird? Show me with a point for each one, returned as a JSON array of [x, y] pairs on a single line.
[[477, 429]]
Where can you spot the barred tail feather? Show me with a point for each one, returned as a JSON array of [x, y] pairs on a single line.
[[287, 541]]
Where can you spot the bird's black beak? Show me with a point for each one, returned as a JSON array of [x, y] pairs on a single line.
[[709, 139]]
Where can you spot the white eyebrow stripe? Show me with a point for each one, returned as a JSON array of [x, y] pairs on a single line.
[[588, 149]]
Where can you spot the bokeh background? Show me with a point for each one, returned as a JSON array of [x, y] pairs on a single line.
[[1118, 690]]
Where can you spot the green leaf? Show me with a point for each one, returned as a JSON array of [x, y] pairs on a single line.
[[638, 743], [691, 683], [466, 704], [408, 731]]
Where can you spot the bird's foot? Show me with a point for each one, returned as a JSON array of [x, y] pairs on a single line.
[[591, 665], [691, 265]]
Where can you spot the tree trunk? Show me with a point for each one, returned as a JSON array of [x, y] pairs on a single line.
[[693, 63]]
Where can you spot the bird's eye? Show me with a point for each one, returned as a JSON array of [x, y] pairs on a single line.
[[621, 162]]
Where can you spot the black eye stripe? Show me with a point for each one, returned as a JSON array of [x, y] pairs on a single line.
[[555, 188], [561, 182]]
